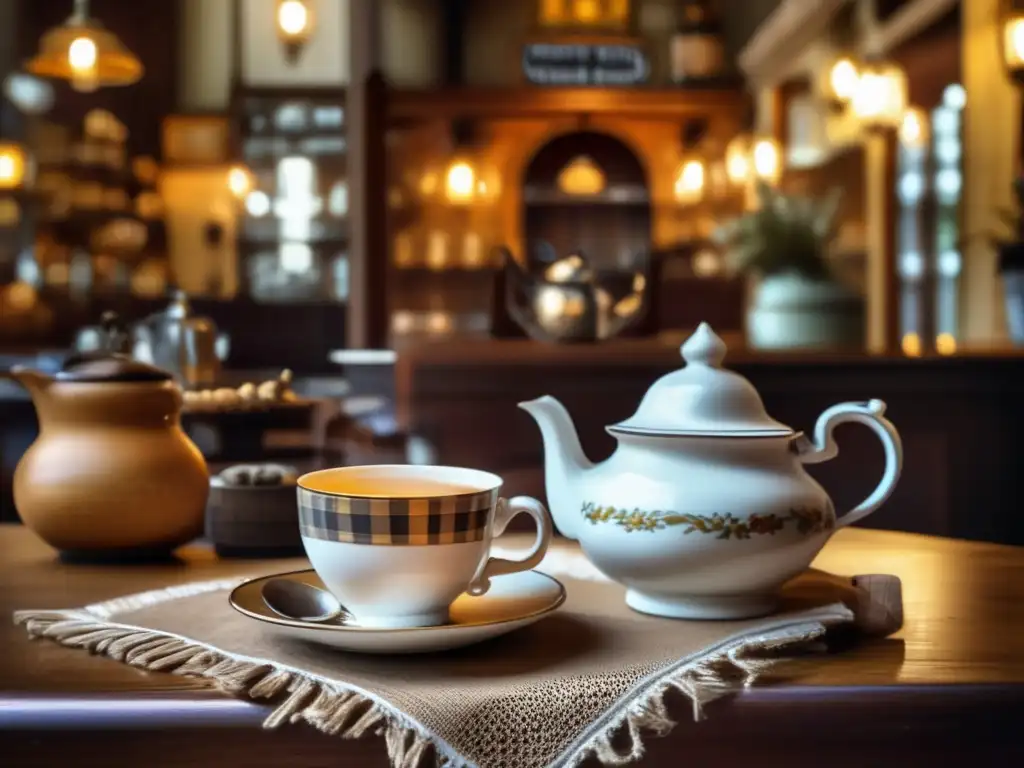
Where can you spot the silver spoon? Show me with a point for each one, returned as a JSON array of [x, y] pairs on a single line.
[[302, 602]]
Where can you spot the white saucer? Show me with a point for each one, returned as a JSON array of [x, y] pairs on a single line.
[[513, 601]]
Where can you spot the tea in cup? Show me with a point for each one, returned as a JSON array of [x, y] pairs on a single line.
[[396, 544]]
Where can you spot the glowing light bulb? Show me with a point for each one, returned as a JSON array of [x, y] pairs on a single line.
[[239, 182], [737, 160], [767, 160], [82, 54], [689, 184], [293, 17], [843, 79], [914, 129], [12, 166], [1015, 38], [460, 183]]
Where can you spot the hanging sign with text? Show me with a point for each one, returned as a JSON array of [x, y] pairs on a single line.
[[577, 64]]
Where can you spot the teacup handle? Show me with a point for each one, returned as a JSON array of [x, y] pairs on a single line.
[[503, 514], [870, 414]]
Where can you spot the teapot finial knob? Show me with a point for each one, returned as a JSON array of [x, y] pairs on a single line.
[[704, 347]]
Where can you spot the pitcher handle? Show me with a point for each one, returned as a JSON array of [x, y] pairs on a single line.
[[497, 566], [824, 447]]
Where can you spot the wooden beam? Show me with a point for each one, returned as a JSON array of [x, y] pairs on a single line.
[[783, 37], [473, 102], [991, 136], [909, 21]]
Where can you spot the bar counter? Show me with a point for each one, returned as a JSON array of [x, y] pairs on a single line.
[[960, 417]]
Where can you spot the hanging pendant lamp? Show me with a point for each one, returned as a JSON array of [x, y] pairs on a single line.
[[85, 54]]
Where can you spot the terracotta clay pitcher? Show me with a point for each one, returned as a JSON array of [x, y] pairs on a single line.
[[112, 474]]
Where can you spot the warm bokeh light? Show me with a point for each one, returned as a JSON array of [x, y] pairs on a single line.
[[581, 176], [689, 183], [914, 128], [881, 97], [586, 11], [843, 79], [240, 182], [911, 345], [737, 160], [945, 344], [766, 159], [13, 165], [82, 54], [293, 18], [460, 182], [1013, 44], [82, 59]]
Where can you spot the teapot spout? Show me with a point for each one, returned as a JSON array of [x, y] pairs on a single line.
[[565, 464], [36, 382]]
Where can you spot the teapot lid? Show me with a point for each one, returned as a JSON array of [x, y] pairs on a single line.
[[106, 365], [109, 367], [702, 398]]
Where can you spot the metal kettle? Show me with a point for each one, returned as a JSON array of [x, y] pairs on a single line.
[[187, 345]]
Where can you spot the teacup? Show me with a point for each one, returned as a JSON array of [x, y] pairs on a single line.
[[396, 544]]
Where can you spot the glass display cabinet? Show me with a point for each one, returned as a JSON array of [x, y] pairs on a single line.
[[293, 234]]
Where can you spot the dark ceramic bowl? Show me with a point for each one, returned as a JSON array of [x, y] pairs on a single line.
[[253, 520]]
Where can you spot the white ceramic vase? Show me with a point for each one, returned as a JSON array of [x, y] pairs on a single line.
[[791, 311]]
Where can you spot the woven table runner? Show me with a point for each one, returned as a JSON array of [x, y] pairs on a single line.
[[551, 694]]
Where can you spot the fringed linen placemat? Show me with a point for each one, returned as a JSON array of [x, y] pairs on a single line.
[[552, 694]]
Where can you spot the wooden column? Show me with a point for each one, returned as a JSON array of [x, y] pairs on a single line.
[[882, 287], [992, 127], [367, 316]]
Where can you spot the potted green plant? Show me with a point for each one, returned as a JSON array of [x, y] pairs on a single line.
[[1011, 264], [796, 299]]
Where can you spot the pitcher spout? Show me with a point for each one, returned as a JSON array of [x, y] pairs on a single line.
[[565, 464]]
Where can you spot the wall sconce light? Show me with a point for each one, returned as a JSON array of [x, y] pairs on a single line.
[[294, 27], [240, 181], [690, 182], [880, 100], [82, 52], [766, 160], [15, 166], [1012, 38], [691, 178], [737, 161]]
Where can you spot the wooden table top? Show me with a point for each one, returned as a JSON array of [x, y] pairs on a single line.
[[957, 667]]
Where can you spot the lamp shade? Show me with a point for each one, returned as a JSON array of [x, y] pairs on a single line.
[[86, 54], [581, 176], [881, 96]]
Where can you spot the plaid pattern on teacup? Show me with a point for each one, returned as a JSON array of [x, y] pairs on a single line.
[[440, 520]]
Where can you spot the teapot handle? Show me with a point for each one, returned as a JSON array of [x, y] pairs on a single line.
[[870, 414]]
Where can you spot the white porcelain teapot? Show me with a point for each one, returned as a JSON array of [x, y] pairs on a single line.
[[704, 509]]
